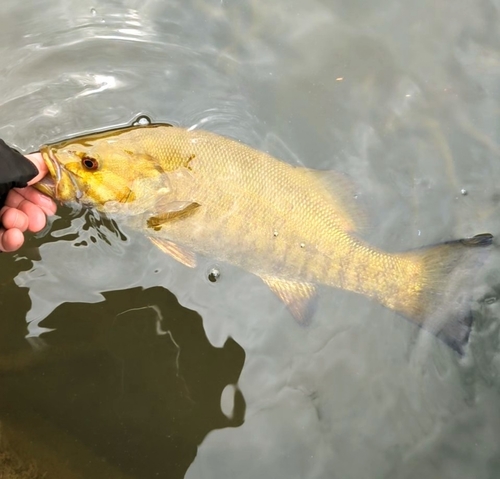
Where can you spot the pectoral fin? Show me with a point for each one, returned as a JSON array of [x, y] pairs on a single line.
[[184, 256], [298, 297], [171, 211]]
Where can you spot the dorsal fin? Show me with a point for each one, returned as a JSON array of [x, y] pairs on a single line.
[[342, 192]]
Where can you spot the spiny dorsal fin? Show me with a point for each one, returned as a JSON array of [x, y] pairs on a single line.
[[184, 256], [298, 297], [343, 195]]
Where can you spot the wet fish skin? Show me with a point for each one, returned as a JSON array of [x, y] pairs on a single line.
[[195, 192]]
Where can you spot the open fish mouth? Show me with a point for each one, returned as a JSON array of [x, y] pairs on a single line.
[[50, 183], [47, 186], [56, 167]]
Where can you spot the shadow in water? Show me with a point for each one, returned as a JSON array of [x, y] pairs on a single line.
[[132, 379]]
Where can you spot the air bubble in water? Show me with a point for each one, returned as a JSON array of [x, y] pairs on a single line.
[[142, 120], [464, 192], [213, 275], [93, 12]]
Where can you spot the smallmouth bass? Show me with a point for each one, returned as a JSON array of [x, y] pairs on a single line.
[[194, 192]]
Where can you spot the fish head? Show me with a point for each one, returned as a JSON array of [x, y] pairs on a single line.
[[107, 172]]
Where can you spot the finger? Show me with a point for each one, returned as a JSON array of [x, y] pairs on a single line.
[[36, 217], [11, 240], [37, 160], [14, 198], [18, 195], [14, 218], [39, 199]]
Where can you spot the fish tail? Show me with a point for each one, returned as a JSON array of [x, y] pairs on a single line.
[[442, 285]]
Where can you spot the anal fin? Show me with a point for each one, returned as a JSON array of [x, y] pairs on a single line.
[[184, 256], [298, 297]]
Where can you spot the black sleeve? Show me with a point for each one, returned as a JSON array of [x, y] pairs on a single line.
[[15, 170]]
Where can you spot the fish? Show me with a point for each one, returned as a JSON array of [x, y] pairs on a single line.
[[196, 193]]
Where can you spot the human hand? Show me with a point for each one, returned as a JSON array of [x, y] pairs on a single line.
[[26, 209]]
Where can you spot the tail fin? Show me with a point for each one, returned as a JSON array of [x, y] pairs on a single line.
[[445, 284]]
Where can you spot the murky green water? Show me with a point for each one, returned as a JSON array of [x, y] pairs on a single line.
[[115, 361]]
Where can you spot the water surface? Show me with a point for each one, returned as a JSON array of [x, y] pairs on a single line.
[[118, 362]]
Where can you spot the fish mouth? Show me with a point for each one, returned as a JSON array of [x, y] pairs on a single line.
[[48, 184], [51, 182]]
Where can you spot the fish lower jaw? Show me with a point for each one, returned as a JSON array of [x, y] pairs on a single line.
[[52, 164], [47, 186]]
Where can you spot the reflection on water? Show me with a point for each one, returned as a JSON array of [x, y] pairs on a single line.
[[115, 380], [134, 382]]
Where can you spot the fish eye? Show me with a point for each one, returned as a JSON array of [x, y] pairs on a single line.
[[90, 163]]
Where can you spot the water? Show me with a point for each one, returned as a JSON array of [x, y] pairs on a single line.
[[119, 362]]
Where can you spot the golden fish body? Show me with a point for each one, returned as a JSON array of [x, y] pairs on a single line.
[[198, 192]]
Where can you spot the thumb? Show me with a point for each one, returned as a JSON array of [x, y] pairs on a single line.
[[37, 160]]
